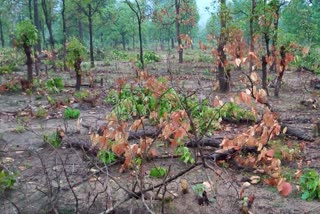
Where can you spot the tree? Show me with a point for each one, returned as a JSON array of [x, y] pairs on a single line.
[[223, 73], [47, 7], [89, 8], [137, 9], [76, 52], [26, 37]]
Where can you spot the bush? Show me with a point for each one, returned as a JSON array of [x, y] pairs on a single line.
[[10, 59], [70, 113], [55, 85], [310, 185], [7, 180]]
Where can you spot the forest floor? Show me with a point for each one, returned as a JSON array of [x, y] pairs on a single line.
[[41, 170]]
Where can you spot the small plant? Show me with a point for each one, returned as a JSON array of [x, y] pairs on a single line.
[[112, 97], [7, 180], [185, 154], [70, 113], [150, 56], [41, 112], [54, 139], [310, 185], [199, 189], [106, 156], [80, 95], [158, 172], [55, 85], [20, 128]]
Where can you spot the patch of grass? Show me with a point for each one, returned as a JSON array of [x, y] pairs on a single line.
[[70, 113], [106, 156], [54, 139]]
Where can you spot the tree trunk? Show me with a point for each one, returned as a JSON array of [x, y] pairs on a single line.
[[140, 42], [64, 35], [180, 48], [30, 9], [264, 73], [28, 52], [37, 23], [77, 68], [172, 43], [38, 45], [1, 34], [224, 75], [49, 26], [90, 35], [281, 72], [252, 18], [43, 35]]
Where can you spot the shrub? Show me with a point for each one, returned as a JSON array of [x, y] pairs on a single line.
[[54, 139], [70, 113], [55, 85], [310, 185], [7, 180]]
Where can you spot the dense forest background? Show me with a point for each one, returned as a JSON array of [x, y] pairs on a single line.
[[104, 25]]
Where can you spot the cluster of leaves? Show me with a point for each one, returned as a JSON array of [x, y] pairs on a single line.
[[310, 185], [75, 50], [150, 56], [158, 172], [55, 85], [185, 154], [106, 156], [26, 33], [119, 55], [7, 180], [70, 113], [55, 138]]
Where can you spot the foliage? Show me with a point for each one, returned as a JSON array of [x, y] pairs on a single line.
[[26, 33], [150, 56], [7, 180], [81, 94], [310, 185], [119, 55], [233, 111], [106, 156], [199, 189], [54, 139], [75, 50], [70, 113], [185, 154], [55, 85], [158, 172]]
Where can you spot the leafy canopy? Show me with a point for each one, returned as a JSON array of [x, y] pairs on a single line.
[[26, 33]]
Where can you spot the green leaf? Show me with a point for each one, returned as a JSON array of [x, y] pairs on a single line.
[[158, 172]]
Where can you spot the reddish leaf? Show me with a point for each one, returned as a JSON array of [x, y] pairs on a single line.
[[285, 189]]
